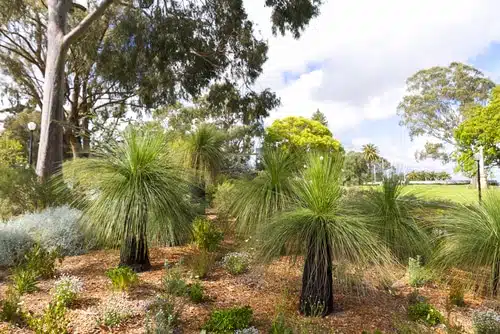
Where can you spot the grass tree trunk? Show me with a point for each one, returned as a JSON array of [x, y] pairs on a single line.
[[50, 151], [317, 280], [134, 251], [495, 278]]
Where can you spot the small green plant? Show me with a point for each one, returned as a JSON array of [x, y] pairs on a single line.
[[417, 274], [52, 321], [201, 264], [279, 325], [10, 308], [41, 261], [486, 322], [374, 332], [423, 311], [122, 278], [456, 295], [174, 284], [162, 315], [66, 289], [24, 280], [206, 235], [196, 293], [236, 263], [230, 319]]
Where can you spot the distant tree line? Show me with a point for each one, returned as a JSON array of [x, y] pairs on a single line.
[[427, 176]]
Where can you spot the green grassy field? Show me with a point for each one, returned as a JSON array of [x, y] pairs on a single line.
[[454, 193]]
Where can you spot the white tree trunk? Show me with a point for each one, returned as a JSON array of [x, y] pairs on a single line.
[[50, 150]]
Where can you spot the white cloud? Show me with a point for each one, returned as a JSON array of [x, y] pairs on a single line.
[[368, 49]]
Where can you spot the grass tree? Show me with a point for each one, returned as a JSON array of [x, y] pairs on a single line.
[[134, 195], [320, 224], [397, 218], [471, 239], [257, 200], [204, 154]]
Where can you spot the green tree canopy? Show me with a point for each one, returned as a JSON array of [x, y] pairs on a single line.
[[482, 128], [320, 117], [355, 169], [437, 101], [300, 134], [11, 152]]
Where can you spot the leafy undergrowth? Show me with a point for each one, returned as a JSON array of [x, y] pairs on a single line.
[[261, 288]]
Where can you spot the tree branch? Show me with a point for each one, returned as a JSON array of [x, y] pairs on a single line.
[[85, 23]]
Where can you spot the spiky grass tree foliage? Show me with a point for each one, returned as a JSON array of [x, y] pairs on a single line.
[[471, 239], [257, 200], [204, 154], [320, 224], [134, 195], [397, 218]]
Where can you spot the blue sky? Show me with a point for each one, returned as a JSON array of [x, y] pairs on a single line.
[[353, 60]]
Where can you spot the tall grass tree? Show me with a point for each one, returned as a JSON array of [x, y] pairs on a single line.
[[257, 200], [320, 224], [398, 218], [134, 195], [471, 240], [205, 154]]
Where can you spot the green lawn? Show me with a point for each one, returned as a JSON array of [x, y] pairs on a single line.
[[454, 193]]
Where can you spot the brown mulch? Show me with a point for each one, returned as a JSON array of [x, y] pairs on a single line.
[[262, 288]]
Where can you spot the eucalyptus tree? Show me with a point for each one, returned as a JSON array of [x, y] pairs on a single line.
[[161, 50], [133, 194], [320, 224]]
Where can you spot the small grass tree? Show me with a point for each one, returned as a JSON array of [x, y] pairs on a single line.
[[257, 200], [134, 193], [397, 218], [320, 224], [471, 239]]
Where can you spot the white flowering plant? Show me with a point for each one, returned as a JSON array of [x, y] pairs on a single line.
[[67, 288]]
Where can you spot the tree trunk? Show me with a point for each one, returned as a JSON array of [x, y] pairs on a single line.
[[317, 282], [50, 151], [495, 278], [134, 253], [73, 120]]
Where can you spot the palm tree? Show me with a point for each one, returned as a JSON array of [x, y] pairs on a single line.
[[320, 224], [371, 155], [471, 239], [257, 200], [134, 195], [205, 154], [397, 218]]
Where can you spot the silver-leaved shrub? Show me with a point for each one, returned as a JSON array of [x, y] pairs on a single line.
[[54, 228]]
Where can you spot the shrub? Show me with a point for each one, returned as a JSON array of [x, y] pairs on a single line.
[[53, 228], [122, 278], [41, 261], [24, 280], [456, 295], [51, 321], [196, 293], [66, 289], [10, 308], [425, 312], [206, 235], [231, 319], [113, 311], [486, 322], [162, 315], [236, 263], [174, 284], [417, 275], [202, 263]]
